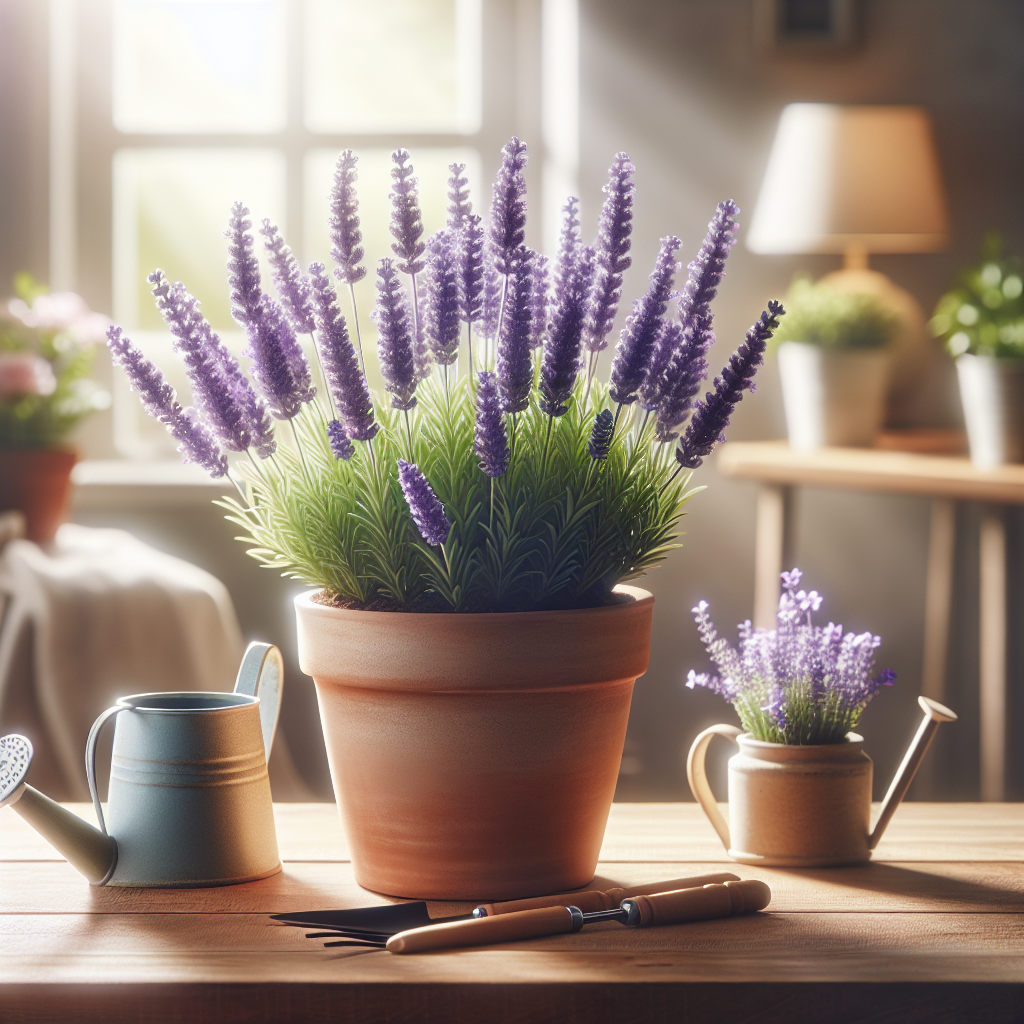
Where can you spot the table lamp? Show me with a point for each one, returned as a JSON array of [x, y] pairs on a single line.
[[855, 180]]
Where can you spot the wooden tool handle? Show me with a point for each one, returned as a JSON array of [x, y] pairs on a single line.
[[595, 899], [702, 904], [484, 931]]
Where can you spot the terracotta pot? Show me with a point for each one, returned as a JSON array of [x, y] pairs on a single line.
[[37, 483], [475, 756], [790, 806]]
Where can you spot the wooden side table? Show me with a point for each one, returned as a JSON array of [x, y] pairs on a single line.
[[945, 479]]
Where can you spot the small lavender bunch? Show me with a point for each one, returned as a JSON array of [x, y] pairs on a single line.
[[195, 443], [345, 381], [426, 510], [798, 683], [395, 346], [406, 221], [291, 283], [707, 427], [613, 240], [343, 223], [679, 362], [508, 207], [515, 368], [441, 315], [643, 327], [490, 440]]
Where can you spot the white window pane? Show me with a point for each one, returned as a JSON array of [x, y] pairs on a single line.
[[392, 66], [171, 207], [373, 186], [199, 66]]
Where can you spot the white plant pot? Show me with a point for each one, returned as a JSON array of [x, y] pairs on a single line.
[[992, 394], [832, 397]]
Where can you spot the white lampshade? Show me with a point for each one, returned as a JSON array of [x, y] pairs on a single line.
[[851, 178]]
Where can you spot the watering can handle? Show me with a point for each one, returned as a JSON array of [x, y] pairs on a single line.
[[698, 779], [261, 674], [90, 762]]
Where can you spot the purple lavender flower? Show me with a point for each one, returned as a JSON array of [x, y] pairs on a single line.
[[508, 206], [394, 337], [643, 327], [341, 446], [427, 511], [515, 368], [459, 205], [441, 315], [561, 361], [491, 440], [679, 365], [341, 368], [798, 683], [493, 284], [346, 237], [406, 222], [707, 427], [195, 443], [291, 283], [601, 436], [469, 248], [243, 267], [540, 301], [613, 259]]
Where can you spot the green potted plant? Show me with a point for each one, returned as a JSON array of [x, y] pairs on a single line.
[[46, 350], [834, 354], [470, 534], [982, 324]]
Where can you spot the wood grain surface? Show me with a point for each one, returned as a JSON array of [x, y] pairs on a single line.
[[931, 931]]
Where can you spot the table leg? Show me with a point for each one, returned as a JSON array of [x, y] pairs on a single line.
[[773, 547], [938, 598], [992, 672]]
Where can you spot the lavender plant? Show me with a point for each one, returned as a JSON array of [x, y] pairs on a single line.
[[498, 476], [798, 683]]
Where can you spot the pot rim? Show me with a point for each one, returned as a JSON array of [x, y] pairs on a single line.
[[1012, 362], [849, 740], [632, 597], [233, 702]]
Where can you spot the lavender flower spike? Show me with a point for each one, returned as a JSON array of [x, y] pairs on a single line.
[[515, 367], [707, 427], [491, 441], [278, 365], [292, 285], [394, 337], [540, 301], [243, 267], [469, 249], [406, 222], [643, 327], [601, 436], [427, 512], [346, 238], [344, 378], [508, 206], [613, 259], [341, 446], [195, 443], [441, 316], [459, 205]]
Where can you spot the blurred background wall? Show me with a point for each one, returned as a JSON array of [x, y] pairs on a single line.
[[684, 88]]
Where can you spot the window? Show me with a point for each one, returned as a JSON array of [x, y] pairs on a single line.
[[183, 106]]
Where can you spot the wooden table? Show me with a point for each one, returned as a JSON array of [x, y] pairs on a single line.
[[931, 932], [943, 478]]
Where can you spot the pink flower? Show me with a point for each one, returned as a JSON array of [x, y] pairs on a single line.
[[23, 373], [61, 311]]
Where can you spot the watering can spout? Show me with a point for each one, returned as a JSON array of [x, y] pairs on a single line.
[[934, 715], [86, 848]]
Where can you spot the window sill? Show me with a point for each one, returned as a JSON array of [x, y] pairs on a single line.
[[102, 485]]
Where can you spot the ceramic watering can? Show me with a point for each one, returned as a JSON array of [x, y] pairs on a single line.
[[189, 800], [804, 806]]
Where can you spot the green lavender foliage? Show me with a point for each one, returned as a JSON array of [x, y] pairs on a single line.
[[557, 530]]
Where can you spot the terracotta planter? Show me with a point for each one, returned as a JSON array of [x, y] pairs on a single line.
[[37, 483], [475, 756], [790, 806]]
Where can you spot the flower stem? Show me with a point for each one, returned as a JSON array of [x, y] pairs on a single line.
[[469, 343], [302, 454], [355, 320]]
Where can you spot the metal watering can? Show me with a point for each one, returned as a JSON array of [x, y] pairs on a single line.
[[189, 801]]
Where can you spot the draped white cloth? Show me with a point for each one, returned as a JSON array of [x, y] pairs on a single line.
[[98, 615]]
